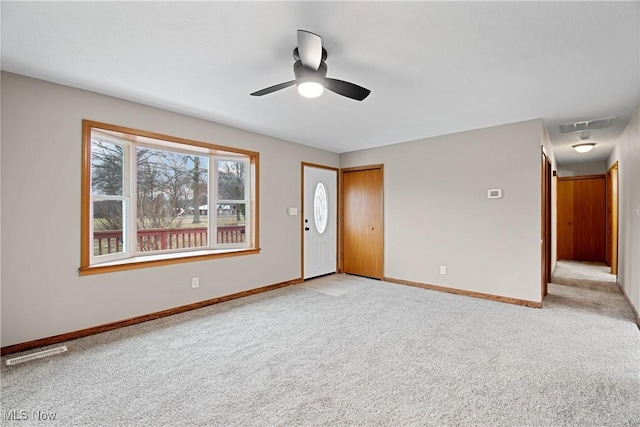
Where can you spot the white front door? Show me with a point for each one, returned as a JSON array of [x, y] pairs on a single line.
[[319, 222]]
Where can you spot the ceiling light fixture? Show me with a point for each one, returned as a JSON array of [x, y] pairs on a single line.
[[584, 148]]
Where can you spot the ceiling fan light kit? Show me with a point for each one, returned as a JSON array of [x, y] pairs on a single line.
[[309, 81], [311, 72], [310, 89]]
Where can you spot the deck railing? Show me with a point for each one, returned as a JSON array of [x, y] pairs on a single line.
[[159, 239]]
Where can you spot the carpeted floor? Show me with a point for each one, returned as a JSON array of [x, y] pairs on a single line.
[[343, 350]]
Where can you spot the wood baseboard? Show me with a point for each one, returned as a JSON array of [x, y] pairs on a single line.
[[56, 339], [465, 293], [633, 309]]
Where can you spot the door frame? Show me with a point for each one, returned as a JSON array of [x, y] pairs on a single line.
[[341, 212], [545, 223], [612, 217], [338, 177]]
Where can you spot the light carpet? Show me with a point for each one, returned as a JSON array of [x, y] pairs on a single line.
[[365, 353]]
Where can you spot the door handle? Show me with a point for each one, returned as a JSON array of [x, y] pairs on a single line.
[[306, 229]]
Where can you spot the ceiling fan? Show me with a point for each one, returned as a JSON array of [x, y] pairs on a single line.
[[311, 72]]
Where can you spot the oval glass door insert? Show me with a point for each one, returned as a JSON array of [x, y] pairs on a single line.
[[320, 207]]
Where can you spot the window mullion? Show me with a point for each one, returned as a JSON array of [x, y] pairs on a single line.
[[213, 201], [131, 190], [247, 197]]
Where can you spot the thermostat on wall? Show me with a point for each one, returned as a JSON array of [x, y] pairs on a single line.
[[494, 193]]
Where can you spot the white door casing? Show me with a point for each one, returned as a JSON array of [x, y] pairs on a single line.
[[319, 222]]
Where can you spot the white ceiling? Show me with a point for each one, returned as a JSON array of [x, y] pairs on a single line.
[[433, 68]]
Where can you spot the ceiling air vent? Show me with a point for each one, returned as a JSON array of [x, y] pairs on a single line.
[[586, 125]]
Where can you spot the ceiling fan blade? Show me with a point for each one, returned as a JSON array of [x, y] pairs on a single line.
[[273, 88], [347, 89], [309, 49]]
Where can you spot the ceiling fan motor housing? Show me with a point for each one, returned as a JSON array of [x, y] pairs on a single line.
[[303, 73]]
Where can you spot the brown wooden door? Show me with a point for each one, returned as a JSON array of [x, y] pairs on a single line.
[[582, 218], [362, 224]]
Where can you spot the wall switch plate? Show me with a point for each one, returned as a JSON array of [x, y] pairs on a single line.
[[292, 211], [195, 282], [443, 269]]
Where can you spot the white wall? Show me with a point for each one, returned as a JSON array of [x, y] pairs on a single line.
[[578, 169], [627, 154], [437, 211], [42, 294]]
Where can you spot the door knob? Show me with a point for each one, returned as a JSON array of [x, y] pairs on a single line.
[[370, 228]]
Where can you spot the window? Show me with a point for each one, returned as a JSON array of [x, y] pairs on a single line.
[[152, 199]]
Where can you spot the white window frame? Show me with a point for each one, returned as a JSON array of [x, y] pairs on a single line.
[[125, 198], [213, 180]]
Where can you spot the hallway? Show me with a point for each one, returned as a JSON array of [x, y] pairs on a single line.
[[588, 287]]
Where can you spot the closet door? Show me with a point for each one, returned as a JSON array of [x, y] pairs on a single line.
[[362, 226]]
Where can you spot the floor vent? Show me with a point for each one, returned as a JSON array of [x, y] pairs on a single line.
[[586, 125], [38, 355]]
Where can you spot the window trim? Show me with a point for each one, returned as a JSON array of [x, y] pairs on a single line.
[[86, 241]]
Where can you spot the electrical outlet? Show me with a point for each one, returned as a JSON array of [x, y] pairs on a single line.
[[195, 282], [443, 269]]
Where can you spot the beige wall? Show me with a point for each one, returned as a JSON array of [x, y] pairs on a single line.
[[42, 294], [437, 211], [627, 154], [548, 149], [578, 169]]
